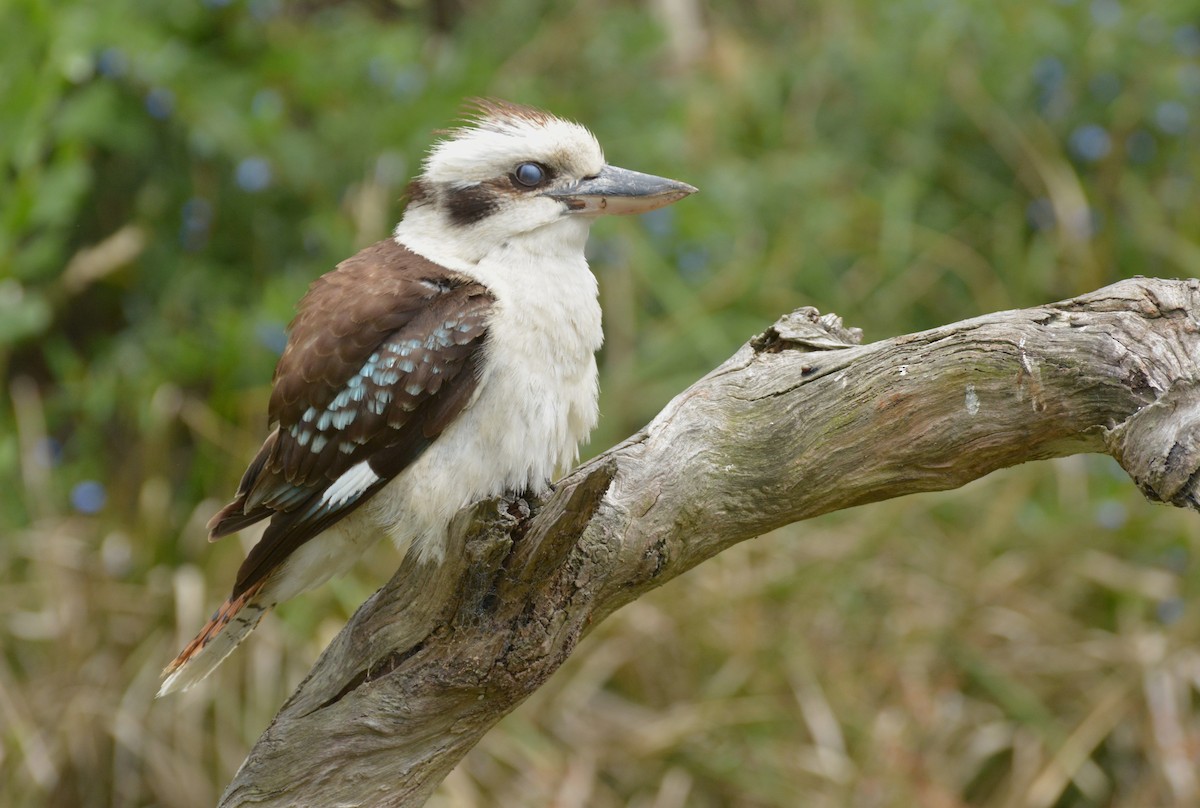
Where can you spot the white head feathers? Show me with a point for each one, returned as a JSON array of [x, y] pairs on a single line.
[[501, 134]]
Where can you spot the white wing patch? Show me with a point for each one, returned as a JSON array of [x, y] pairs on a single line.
[[353, 482]]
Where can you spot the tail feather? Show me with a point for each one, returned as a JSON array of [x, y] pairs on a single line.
[[233, 517], [224, 631]]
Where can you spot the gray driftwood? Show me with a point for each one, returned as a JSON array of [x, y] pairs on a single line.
[[801, 421]]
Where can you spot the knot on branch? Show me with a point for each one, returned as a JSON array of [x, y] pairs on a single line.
[[808, 330], [1159, 446]]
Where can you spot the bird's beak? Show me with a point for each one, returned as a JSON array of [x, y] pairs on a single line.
[[620, 191]]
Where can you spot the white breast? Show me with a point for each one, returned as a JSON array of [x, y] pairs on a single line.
[[536, 399]]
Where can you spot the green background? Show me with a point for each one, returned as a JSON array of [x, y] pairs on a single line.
[[174, 174]]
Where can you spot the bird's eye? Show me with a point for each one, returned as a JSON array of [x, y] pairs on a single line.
[[529, 174]]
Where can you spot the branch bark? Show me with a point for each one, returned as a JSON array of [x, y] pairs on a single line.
[[801, 421]]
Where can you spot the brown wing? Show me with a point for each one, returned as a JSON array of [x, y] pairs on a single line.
[[381, 358]]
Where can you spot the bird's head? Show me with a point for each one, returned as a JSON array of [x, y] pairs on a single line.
[[513, 170]]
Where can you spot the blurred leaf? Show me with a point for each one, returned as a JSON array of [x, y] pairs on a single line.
[[22, 313]]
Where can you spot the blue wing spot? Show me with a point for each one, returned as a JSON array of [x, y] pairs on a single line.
[[340, 400], [438, 339], [383, 378], [384, 369]]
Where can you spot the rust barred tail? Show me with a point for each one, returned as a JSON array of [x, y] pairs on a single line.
[[225, 630]]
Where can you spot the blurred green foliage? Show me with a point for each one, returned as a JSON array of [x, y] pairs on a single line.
[[173, 175]]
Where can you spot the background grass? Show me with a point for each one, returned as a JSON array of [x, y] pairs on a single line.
[[173, 175]]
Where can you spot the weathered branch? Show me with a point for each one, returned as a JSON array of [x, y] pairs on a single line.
[[800, 421]]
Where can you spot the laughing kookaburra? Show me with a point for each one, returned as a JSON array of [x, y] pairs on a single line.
[[450, 363]]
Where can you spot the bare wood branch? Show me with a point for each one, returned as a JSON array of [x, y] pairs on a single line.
[[800, 421]]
